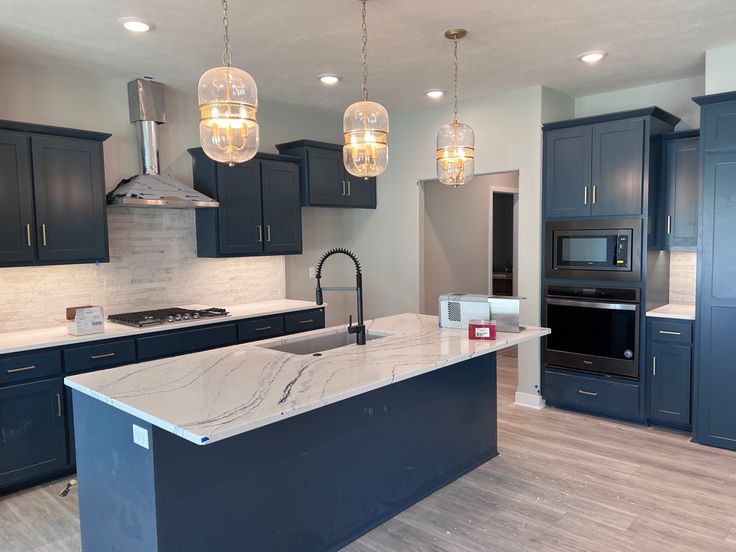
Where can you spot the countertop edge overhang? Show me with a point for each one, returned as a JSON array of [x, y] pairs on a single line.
[[675, 311], [212, 395]]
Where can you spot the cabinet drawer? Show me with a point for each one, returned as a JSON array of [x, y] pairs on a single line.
[[670, 331], [304, 321], [187, 341], [103, 355], [35, 365], [610, 398], [260, 328]]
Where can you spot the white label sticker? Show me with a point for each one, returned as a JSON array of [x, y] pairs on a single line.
[[140, 436], [482, 332]]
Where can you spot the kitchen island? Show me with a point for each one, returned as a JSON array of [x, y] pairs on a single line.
[[256, 447]]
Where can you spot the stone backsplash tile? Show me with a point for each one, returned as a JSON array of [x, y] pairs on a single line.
[[683, 275], [153, 264]]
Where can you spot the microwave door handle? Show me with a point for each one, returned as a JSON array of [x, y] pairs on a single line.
[[593, 304]]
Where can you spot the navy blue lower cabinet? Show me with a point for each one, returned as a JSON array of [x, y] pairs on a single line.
[[669, 389], [304, 321], [186, 341], [32, 431]]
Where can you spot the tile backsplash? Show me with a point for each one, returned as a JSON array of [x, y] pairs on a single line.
[[683, 272], [153, 264]]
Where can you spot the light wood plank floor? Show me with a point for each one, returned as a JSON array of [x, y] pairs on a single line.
[[563, 482]]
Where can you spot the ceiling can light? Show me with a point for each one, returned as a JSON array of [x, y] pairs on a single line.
[[329, 79], [136, 24], [593, 56], [365, 128], [455, 141], [228, 102], [435, 93]]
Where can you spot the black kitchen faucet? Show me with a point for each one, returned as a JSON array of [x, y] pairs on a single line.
[[359, 328]]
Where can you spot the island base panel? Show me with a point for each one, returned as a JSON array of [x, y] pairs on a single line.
[[312, 482]]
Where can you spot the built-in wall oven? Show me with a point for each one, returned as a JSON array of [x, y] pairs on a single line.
[[594, 249], [593, 329]]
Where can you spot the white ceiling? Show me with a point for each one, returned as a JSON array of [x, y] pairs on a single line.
[[284, 44]]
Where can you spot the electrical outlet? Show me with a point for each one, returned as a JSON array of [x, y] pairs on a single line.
[[140, 436], [312, 272]]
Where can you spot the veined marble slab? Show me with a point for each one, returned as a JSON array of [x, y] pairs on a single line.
[[212, 395], [674, 310], [13, 342]]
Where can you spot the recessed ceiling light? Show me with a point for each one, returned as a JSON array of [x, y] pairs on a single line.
[[136, 24], [592, 57], [329, 79], [435, 93]]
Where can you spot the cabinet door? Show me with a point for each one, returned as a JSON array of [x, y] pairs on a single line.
[[240, 220], [69, 187], [669, 383], [681, 181], [326, 177], [16, 209], [32, 431], [282, 212], [618, 168], [567, 158], [360, 192]]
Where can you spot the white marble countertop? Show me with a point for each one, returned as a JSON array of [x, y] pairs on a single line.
[[12, 342], [674, 310], [212, 395]]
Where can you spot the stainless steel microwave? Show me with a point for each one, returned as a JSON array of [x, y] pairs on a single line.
[[594, 249]]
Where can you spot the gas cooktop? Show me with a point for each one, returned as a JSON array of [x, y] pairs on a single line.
[[144, 319]]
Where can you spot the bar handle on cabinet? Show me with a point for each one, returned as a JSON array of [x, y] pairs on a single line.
[[263, 328], [21, 369], [260, 233], [58, 405], [349, 190], [669, 224], [268, 232], [306, 321], [43, 233], [585, 195], [28, 234], [590, 393], [104, 355], [667, 332], [595, 189], [654, 365], [344, 189]]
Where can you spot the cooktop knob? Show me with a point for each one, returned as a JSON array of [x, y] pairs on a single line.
[[177, 317], [186, 316], [169, 318], [195, 315]]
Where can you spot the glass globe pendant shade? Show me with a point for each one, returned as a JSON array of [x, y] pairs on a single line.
[[455, 154], [228, 101], [365, 149]]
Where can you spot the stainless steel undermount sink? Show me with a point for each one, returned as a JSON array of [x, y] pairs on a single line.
[[309, 345]]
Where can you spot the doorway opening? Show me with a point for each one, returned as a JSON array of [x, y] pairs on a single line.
[[468, 238]]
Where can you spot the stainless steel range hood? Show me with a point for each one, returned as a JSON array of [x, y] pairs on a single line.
[[149, 188]]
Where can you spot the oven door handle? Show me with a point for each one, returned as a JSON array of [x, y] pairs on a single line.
[[593, 304]]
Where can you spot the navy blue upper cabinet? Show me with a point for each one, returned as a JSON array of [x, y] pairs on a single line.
[[617, 168], [53, 187], [17, 226], [715, 377], [259, 212], [567, 168], [324, 180], [681, 175]]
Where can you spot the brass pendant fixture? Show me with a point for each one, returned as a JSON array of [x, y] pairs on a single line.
[[228, 101], [365, 129], [455, 141]]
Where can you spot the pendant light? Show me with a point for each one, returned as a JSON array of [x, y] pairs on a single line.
[[365, 128], [228, 101], [455, 141]]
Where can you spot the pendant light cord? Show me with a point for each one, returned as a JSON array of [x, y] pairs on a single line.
[[455, 79], [226, 55], [365, 56]]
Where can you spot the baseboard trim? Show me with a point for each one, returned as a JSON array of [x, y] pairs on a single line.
[[529, 401]]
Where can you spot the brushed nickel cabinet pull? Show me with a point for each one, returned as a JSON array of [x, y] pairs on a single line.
[[58, 405], [344, 189], [28, 234], [349, 190], [260, 233], [585, 195], [667, 332], [595, 189], [590, 393], [263, 329], [268, 232], [669, 224], [654, 366], [21, 369], [306, 321], [43, 233], [104, 355]]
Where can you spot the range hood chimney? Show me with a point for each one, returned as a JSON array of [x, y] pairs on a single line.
[[149, 188]]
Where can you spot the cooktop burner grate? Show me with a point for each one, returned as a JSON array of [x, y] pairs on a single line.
[[144, 319]]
